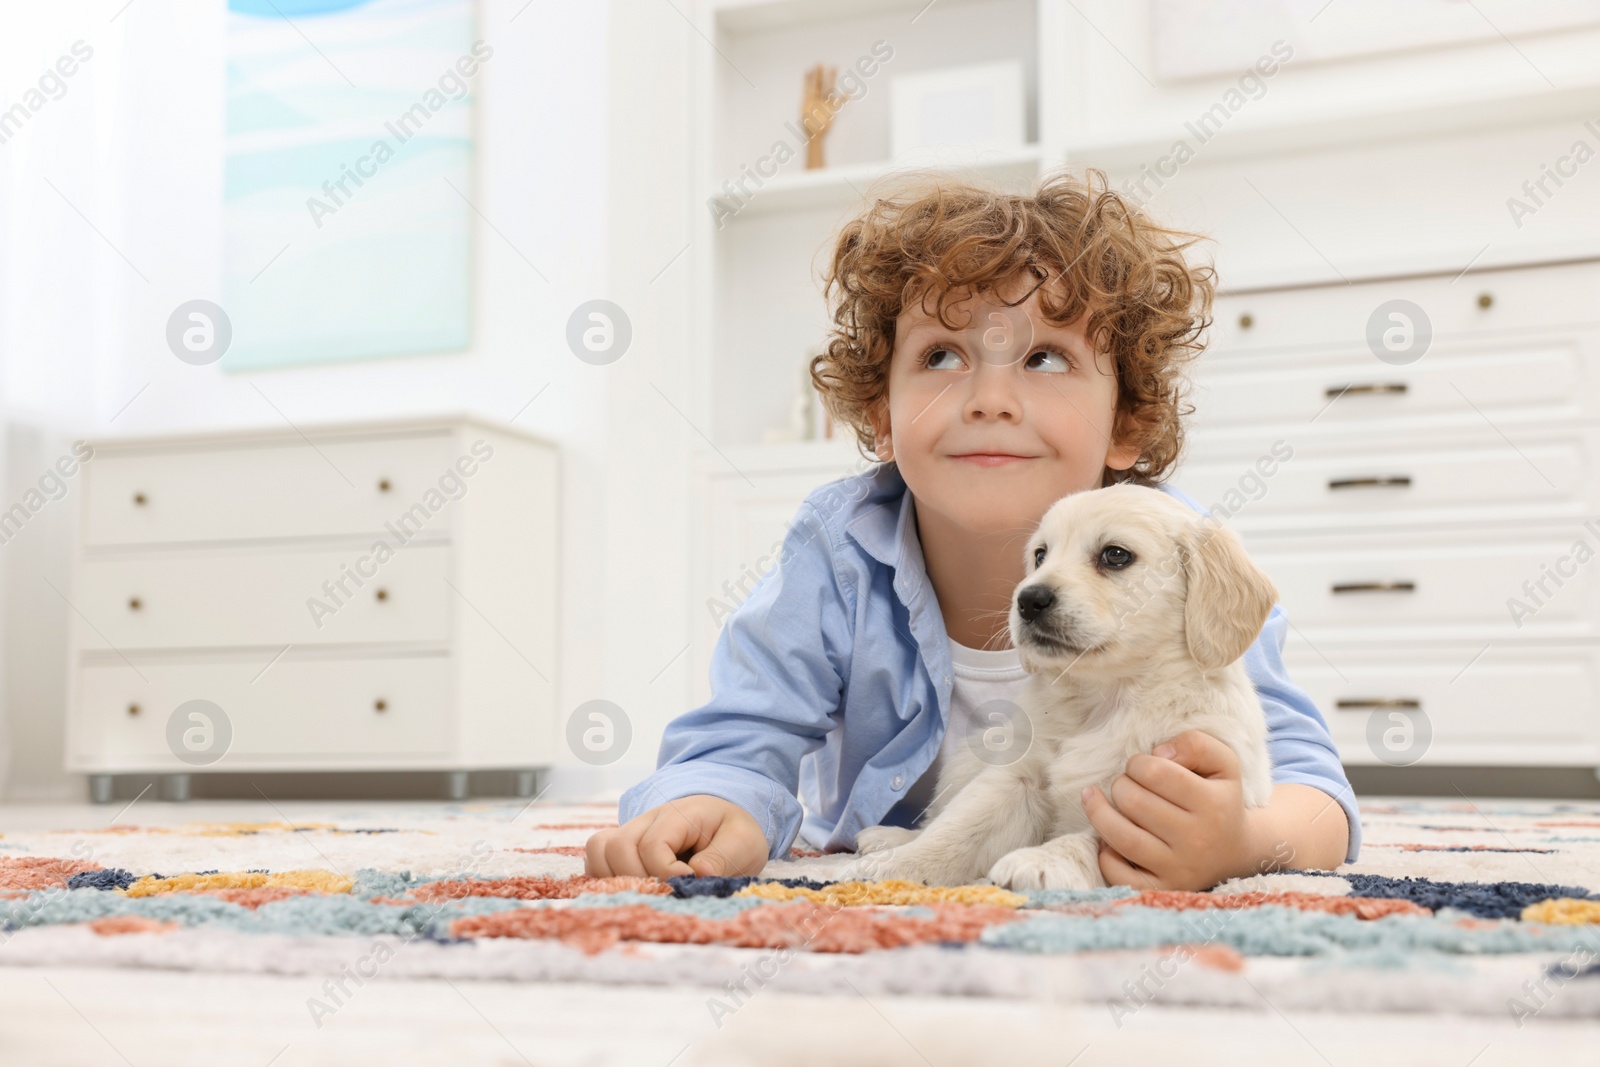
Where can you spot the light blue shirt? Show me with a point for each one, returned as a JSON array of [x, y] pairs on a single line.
[[831, 683]]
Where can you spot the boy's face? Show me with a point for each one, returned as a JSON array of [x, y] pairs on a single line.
[[993, 422]]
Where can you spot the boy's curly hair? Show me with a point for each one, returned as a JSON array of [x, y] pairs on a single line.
[[1148, 307]]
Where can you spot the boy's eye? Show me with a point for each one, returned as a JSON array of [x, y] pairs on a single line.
[[1115, 557], [1038, 556], [936, 359], [1046, 360]]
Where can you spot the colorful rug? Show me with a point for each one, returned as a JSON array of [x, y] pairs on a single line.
[[1455, 906]]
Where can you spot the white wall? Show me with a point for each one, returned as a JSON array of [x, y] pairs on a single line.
[[652, 419], [136, 146]]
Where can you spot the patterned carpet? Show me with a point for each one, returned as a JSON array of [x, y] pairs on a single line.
[[1455, 906]]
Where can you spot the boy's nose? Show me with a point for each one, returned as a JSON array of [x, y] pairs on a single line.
[[993, 392], [1034, 601]]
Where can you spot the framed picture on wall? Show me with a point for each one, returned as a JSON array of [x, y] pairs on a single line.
[[346, 214]]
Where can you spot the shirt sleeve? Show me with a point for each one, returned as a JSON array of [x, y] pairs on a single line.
[[1298, 740], [777, 681]]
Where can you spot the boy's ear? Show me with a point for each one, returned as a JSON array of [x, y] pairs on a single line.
[[1127, 437], [1127, 440], [878, 416], [1122, 454]]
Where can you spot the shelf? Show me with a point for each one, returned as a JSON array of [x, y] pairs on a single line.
[[1461, 262], [838, 187], [1337, 125], [758, 16]]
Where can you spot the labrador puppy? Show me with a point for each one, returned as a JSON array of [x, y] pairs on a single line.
[[1131, 620]]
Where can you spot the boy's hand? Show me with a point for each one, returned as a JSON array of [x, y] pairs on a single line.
[[1179, 815], [722, 837]]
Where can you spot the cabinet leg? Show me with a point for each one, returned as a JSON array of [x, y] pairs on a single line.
[[455, 785], [100, 788], [527, 783], [175, 787]]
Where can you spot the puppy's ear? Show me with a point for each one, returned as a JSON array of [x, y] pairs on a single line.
[[1229, 597]]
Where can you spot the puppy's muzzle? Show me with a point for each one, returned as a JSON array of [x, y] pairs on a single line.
[[1034, 601], [1046, 625]]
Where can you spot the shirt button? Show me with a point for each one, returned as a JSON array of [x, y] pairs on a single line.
[[897, 781]]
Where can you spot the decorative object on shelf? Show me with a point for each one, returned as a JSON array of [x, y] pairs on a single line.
[[952, 115], [808, 416], [819, 104]]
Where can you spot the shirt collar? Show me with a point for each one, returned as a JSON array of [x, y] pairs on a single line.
[[887, 530]]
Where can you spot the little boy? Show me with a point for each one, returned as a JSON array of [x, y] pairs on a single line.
[[996, 352]]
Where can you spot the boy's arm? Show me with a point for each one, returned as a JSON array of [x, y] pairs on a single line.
[[1302, 749], [1301, 827], [777, 675]]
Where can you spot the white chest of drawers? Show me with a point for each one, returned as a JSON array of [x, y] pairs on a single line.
[[365, 597], [1423, 500]]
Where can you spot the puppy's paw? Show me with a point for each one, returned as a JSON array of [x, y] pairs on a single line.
[[1049, 867], [878, 838], [907, 864]]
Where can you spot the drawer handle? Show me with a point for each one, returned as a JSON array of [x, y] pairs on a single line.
[[1246, 321], [1357, 703], [1486, 300], [133, 709], [134, 603], [383, 485], [1368, 388], [140, 499], [1379, 481], [380, 705], [382, 594], [1375, 587]]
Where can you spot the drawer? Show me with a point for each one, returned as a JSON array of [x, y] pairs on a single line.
[[1329, 316], [1338, 480], [1447, 584], [215, 598], [299, 708], [1514, 380], [1526, 705], [253, 492]]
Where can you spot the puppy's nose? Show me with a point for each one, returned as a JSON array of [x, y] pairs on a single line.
[[1034, 601]]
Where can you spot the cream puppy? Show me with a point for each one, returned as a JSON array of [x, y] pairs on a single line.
[[1132, 620]]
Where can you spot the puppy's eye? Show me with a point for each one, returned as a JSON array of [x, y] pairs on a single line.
[[1115, 557], [1038, 555]]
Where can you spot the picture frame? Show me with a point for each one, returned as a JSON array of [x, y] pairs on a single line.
[[953, 115]]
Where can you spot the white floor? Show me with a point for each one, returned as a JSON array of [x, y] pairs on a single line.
[[102, 1017], [69, 1016]]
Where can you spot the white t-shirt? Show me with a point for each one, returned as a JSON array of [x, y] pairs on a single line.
[[980, 675]]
